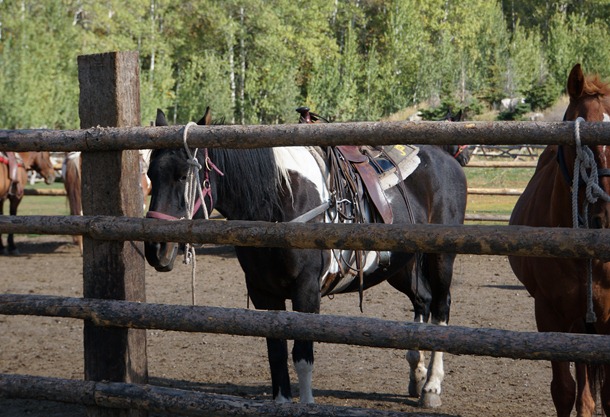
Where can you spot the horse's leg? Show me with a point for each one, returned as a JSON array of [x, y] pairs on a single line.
[[419, 294], [417, 371], [563, 386], [2, 248], [438, 271], [277, 349], [277, 353], [13, 204], [585, 401], [306, 299]]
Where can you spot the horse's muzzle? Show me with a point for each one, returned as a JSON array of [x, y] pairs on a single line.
[[161, 256], [50, 179]]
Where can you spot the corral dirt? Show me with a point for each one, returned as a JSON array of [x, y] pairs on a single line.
[[485, 294]]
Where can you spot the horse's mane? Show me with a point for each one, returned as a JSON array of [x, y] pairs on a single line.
[[251, 181], [251, 174], [595, 86]]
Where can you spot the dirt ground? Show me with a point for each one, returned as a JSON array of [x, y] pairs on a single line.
[[485, 294]]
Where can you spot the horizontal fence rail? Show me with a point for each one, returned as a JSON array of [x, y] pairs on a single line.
[[362, 331], [480, 240], [52, 192], [501, 164], [484, 217], [172, 401], [354, 133], [495, 191]]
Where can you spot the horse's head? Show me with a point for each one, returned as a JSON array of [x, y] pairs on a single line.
[[168, 171], [590, 100], [461, 153], [41, 163]]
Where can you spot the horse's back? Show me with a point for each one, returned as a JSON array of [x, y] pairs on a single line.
[[439, 186]]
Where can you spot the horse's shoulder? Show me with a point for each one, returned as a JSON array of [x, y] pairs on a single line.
[[534, 201]]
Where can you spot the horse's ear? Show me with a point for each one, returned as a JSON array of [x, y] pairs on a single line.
[[207, 118], [160, 120], [576, 82]]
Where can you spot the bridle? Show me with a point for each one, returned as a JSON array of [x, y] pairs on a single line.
[[460, 149], [195, 190], [194, 194]]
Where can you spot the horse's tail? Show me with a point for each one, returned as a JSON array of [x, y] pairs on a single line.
[[596, 377]]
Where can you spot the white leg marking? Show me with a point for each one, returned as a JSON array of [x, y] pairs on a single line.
[[431, 394], [304, 373], [606, 117]]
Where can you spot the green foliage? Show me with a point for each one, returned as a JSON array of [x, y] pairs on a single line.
[[255, 61], [515, 113], [541, 94]]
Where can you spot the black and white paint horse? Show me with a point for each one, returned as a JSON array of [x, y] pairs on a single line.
[[280, 184]]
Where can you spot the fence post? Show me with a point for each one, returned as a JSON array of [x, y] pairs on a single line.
[[110, 97]]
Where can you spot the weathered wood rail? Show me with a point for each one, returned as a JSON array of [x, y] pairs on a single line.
[[480, 240], [170, 401], [253, 136], [360, 331]]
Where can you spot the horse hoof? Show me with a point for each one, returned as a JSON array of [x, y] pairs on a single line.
[[430, 400], [14, 252]]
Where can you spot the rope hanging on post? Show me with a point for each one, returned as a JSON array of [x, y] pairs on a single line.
[[585, 168]]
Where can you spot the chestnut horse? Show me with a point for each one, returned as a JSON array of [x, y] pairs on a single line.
[[564, 298], [38, 161]]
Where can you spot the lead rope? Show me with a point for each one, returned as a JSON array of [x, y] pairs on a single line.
[[191, 190], [586, 168]]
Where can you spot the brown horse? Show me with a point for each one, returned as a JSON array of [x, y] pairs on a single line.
[[565, 301], [38, 161]]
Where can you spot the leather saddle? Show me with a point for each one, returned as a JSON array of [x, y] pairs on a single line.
[[362, 164], [368, 171]]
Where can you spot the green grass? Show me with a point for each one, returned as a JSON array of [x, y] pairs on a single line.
[[33, 205], [495, 178]]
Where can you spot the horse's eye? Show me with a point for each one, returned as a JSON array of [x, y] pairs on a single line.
[[183, 178]]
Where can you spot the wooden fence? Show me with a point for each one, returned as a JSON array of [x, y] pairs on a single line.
[[113, 230]]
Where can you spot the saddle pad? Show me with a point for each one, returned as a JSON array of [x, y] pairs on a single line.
[[406, 159]]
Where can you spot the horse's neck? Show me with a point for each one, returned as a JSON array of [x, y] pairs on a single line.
[[246, 190]]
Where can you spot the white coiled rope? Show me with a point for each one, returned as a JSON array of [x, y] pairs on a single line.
[[585, 168], [192, 190]]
